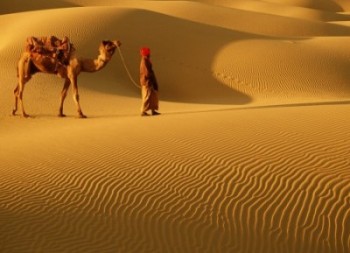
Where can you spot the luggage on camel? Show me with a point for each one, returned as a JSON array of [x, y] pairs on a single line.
[[58, 50]]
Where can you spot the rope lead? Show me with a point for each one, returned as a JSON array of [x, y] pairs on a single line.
[[127, 70]]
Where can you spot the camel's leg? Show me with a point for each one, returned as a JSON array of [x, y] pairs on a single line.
[[24, 76], [76, 96], [15, 92], [18, 92], [20, 97], [63, 97]]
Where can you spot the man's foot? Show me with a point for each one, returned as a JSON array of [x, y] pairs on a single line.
[[155, 113], [144, 114]]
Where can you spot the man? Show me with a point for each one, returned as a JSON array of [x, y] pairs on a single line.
[[149, 85]]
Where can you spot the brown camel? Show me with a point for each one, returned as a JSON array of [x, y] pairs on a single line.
[[34, 61]]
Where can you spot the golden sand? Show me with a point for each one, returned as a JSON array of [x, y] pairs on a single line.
[[251, 152]]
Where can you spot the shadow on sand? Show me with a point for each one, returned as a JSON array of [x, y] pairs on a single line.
[[13, 6], [240, 108]]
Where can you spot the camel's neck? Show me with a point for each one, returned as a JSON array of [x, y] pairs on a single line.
[[93, 65]]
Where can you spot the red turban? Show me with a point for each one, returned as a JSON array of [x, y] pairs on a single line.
[[145, 51]]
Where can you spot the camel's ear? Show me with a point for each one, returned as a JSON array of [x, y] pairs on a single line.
[[105, 42]]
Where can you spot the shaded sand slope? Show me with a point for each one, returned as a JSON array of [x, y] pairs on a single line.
[[250, 155], [11, 6], [328, 5], [267, 23], [324, 5], [285, 10]]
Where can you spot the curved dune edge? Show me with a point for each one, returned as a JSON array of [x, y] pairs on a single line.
[[250, 154]]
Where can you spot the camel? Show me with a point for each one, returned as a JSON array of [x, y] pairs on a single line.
[[51, 62]]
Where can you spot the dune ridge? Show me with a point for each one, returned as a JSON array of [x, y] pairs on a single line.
[[250, 154]]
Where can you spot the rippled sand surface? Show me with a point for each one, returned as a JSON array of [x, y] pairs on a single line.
[[250, 154]]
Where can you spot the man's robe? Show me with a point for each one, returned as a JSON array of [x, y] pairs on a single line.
[[149, 86]]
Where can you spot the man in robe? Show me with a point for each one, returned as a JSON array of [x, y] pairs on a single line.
[[149, 85]]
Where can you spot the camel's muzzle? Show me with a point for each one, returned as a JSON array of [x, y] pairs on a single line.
[[117, 43]]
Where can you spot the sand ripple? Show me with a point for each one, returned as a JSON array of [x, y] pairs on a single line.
[[208, 191]]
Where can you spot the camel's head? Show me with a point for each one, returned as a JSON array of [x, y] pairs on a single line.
[[109, 47]]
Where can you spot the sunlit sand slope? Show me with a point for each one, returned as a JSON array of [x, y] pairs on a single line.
[[237, 180]]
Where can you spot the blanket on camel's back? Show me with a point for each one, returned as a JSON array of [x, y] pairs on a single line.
[[59, 51]]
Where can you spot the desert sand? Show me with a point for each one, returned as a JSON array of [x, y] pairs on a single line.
[[251, 152]]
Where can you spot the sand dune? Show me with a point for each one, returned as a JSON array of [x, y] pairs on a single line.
[[251, 153]]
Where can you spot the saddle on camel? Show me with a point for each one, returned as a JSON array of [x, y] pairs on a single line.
[[52, 50]]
